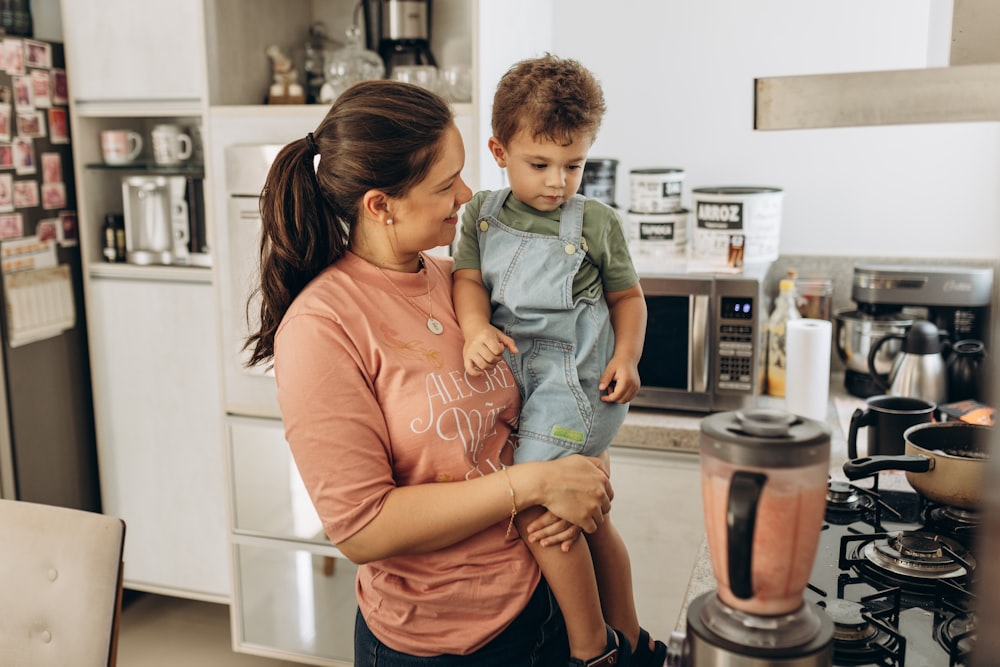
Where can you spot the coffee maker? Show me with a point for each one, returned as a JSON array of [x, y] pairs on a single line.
[[955, 298], [764, 480], [399, 31], [157, 224], [890, 297]]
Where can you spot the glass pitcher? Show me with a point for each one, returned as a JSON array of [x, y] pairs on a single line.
[[764, 480]]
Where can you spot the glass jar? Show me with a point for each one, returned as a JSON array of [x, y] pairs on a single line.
[[350, 65]]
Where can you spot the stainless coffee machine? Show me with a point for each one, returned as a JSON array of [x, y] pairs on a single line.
[[890, 297], [399, 31], [164, 221]]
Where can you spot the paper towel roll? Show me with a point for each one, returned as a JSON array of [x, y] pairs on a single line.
[[807, 371]]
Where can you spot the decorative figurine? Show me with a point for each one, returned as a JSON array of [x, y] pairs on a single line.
[[284, 90]]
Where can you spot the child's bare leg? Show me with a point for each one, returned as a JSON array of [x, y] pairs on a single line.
[[570, 575], [613, 569]]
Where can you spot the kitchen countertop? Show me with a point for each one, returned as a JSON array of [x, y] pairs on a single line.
[[672, 431]]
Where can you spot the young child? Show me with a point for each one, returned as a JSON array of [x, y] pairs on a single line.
[[544, 281]]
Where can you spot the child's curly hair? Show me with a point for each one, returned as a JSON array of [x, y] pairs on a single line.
[[551, 97]]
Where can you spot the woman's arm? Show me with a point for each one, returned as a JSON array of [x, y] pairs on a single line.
[[426, 517]]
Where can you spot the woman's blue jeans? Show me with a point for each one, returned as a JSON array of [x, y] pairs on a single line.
[[536, 638]]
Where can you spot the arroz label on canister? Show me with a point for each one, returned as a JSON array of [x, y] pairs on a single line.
[[653, 236], [656, 190], [748, 218]]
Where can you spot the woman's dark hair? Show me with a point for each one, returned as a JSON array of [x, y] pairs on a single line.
[[381, 135]]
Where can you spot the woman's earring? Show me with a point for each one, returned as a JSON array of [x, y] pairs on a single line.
[[389, 221]]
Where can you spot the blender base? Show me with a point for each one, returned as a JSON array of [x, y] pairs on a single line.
[[704, 648]]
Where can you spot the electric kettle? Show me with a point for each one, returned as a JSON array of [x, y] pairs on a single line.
[[919, 369]]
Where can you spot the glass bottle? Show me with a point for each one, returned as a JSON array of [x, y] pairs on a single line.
[[785, 309], [317, 51]]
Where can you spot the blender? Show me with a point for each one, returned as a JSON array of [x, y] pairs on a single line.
[[764, 480]]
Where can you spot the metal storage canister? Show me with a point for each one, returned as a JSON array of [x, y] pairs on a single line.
[[749, 212], [599, 180], [656, 236], [656, 190]]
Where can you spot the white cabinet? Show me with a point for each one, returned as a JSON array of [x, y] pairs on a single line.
[[293, 594], [657, 509], [134, 49], [159, 431]]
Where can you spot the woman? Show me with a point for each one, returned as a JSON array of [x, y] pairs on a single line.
[[403, 454]]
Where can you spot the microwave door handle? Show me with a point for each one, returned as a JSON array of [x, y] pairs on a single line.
[[697, 343]]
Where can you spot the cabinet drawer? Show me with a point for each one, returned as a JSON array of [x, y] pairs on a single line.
[[294, 603], [268, 496]]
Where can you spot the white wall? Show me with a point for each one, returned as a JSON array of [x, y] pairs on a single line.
[[678, 77]]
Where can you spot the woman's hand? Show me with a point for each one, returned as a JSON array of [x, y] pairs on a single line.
[[574, 488]]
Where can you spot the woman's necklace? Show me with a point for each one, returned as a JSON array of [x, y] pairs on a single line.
[[433, 324]]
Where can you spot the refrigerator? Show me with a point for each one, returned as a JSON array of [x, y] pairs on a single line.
[[48, 451]]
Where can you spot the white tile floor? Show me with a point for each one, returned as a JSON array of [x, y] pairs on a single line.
[[161, 631]]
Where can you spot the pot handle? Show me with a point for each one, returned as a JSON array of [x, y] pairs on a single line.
[[876, 378], [744, 494], [866, 465]]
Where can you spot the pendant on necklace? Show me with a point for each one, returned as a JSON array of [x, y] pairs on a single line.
[[435, 326]]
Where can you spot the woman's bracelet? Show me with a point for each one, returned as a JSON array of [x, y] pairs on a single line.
[[513, 504]]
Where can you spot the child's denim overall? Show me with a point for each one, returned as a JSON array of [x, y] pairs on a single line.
[[563, 346]]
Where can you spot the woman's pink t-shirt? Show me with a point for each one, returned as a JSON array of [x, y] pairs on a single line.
[[371, 400]]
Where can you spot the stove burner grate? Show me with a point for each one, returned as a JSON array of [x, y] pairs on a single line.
[[862, 634], [846, 503], [955, 622], [912, 560]]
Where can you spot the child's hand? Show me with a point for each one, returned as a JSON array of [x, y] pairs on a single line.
[[621, 379], [549, 530], [484, 349]]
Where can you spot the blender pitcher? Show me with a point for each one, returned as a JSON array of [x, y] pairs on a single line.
[[764, 481]]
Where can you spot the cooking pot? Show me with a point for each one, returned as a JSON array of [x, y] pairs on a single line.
[[945, 461], [855, 332]]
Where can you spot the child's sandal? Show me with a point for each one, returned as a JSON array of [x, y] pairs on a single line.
[[617, 652], [642, 656]]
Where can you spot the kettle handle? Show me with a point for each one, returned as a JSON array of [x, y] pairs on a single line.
[[741, 518], [871, 359]]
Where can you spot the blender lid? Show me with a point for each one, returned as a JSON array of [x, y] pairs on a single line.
[[763, 437]]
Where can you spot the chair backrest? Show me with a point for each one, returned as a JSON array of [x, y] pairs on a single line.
[[60, 585]]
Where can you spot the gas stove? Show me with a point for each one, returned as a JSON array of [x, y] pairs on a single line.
[[895, 573]]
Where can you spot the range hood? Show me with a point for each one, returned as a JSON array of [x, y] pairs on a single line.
[[968, 90]]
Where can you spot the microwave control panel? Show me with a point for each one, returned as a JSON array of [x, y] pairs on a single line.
[[736, 335]]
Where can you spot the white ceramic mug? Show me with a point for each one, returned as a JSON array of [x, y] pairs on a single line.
[[170, 144], [120, 146]]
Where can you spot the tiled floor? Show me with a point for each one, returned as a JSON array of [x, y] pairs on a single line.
[[160, 631]]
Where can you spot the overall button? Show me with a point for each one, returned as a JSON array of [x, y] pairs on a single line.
[[483, 225], [570, 249]]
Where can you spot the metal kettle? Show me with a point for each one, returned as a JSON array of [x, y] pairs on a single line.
[[919, 369]]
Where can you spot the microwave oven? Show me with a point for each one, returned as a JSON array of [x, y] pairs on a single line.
[[705, 335]]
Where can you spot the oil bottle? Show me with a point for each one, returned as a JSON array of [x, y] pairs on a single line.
[[785, 309]]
